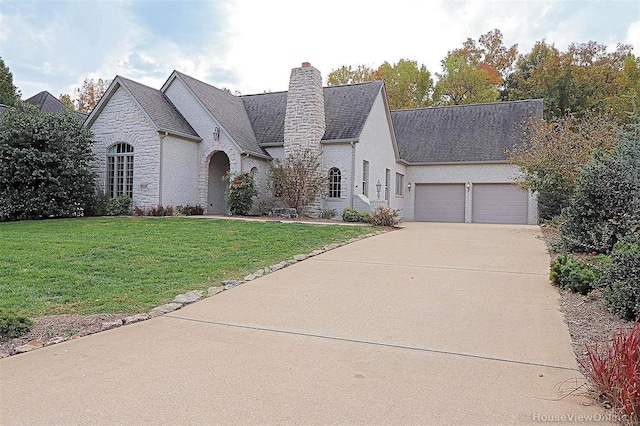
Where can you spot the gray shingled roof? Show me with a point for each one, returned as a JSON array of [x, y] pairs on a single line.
[[464, 133], [229, 111], [346, 110], [46, 102], [158, 107]]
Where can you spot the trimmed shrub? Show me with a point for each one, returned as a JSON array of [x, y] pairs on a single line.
[[158, 210], [266, 205], [98, 205], [328, 213], [384, 216], [240, 192], [13, 325], [615, 373], [190, 210], [580, 276], [351, 215], [118, 206], [622, 279]]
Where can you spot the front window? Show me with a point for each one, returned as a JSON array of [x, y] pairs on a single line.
[[335, 182], [120, 170], [399, 184], [365, 178], [387, 183]]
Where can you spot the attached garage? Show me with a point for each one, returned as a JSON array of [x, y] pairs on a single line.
[[439, 203], [499, 203]]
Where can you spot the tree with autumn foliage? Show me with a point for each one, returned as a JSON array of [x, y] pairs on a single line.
[[554, 153], [585, 77], [346, 74], [86, 97], [408, 85], [476, 72]]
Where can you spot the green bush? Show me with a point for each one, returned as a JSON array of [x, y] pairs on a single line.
[[13, 325], [158, 210], [580, 276], [328, 213], [622, 280], [240, 192], [384, 216], [265, 205], [97, 204], [189, 210], [604, 207], [118, 206], [45, 164], [351, 215]]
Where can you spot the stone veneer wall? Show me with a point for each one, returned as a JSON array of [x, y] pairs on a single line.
[[123, 121], [304, 123]]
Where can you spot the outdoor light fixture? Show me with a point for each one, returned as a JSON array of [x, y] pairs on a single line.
[[468, 185], [216, 133], [409, 186], [378, 188]]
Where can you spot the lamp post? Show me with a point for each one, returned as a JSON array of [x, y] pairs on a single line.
[[378, 188]]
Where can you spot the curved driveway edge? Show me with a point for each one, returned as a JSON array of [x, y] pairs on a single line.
[[430, 324]]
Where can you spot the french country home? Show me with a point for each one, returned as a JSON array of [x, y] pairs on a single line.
[[172, 146]]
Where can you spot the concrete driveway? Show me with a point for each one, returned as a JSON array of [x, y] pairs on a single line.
[[432, 324]]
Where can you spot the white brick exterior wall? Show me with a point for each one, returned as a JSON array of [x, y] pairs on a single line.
[[203, 123], [122, 121], [464, 173], [339, 155], [376, 147], [179, 172]]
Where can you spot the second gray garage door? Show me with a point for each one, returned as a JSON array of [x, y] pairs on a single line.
[[439, 203], [499, 203]]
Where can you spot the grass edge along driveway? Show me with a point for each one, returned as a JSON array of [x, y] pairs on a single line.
[[128, 265]]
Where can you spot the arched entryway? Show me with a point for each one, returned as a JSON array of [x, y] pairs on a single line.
[[218, 166]]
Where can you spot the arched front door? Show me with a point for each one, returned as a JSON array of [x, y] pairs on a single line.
[[218, 166]]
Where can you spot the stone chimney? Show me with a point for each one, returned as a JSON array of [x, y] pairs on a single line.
[[304, 122]]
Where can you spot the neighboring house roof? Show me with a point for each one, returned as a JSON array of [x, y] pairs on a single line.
[[463, 133], [229, 111], [46, 102], [159, 108], [346, 110]]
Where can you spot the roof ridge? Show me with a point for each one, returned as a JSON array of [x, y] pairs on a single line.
[[467, 105]]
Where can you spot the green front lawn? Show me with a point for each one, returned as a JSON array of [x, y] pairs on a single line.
[[122, 265]]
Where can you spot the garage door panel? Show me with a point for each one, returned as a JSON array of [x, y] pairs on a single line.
[[439, 203], [499, 203]]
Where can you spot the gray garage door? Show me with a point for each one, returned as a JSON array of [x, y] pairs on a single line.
[[499, 203], [439, 203]]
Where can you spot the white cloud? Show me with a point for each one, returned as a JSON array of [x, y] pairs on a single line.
[[633, 37], [251, 45]]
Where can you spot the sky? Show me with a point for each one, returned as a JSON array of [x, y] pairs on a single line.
[[250, 46]]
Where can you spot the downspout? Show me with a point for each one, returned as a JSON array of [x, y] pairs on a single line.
[[353, 172], [242, 157], [162, 136]]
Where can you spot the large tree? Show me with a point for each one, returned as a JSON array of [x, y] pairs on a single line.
[[489, 53], [87, 96], [349, 75], [585, 77], [463, 83], [475, 73], [408, 84], [554, 154], [9, 94], [45, 164]]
